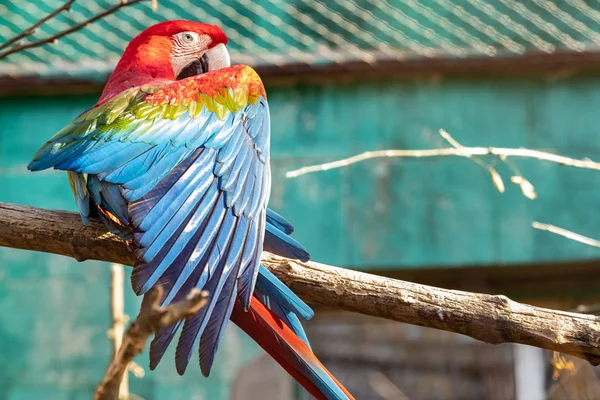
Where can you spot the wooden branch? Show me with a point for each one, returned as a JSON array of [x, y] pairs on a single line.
[[152, 317], [492, 319], [54, 38]]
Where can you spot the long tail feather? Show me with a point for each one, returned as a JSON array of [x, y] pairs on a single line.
[[268, 283], [277, 339], [277, 242], [279, 222]]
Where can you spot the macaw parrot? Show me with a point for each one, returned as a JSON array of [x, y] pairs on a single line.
[[174, 158]]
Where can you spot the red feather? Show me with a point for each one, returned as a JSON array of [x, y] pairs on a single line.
[[272, 334]]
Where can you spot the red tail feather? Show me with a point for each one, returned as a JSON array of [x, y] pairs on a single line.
[[272, 334]]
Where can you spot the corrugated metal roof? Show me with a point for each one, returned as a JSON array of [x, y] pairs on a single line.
[[279, 32]]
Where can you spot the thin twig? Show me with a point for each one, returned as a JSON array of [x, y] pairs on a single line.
[[55, 37], [568, 234], [31, 30], [453, 142], [496, 178], [152, 317], [462, 151]]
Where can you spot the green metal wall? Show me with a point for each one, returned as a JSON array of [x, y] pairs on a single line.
[[379, 214], [444, 211]]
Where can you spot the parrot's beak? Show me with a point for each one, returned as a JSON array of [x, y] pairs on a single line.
[[211, 60], [217, 57]]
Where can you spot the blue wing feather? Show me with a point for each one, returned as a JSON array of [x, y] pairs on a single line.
[[216, 327], [250, 266], [100, 158], [131, 169], [201, 211], [195, 325], [163, 338], [156, 208], [201, 249]]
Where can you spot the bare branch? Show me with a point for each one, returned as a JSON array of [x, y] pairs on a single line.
[[31, 30], [492, 319], [565, 233], [457, 150], [54, 38], [152, 317]]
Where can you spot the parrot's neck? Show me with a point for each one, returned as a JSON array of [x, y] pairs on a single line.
[[142, 63], [127, 81]]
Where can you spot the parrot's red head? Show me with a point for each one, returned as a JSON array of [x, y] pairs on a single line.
[[170, 50]]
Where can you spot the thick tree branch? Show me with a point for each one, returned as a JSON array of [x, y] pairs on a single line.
[[152, 318], [492, 319]]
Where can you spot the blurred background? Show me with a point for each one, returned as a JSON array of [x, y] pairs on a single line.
[[343, 77]]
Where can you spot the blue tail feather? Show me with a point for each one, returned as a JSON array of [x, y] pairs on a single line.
[[279, 243], [270, 286], [279, 222]]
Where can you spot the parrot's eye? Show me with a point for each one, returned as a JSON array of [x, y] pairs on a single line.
[[188, 37]]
